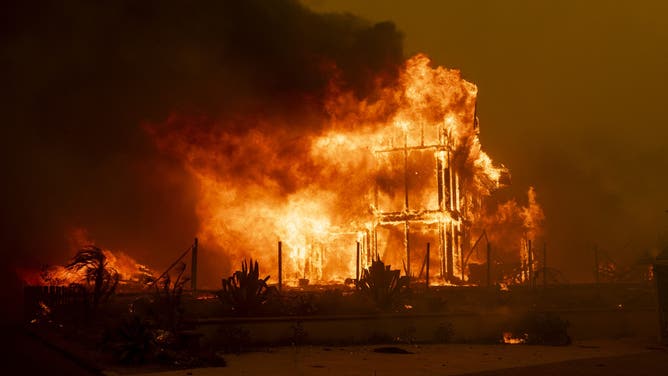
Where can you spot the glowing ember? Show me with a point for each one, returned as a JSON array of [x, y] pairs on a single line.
[[509, 339]]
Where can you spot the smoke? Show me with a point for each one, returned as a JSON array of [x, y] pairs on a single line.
[[87, 86]]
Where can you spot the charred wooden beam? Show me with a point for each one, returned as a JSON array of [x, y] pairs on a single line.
[[193, 266], [437, 147], [280, 265], [427, 274]]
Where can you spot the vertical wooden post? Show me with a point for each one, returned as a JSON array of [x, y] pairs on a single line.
[[375, 242], [489, 264], [544, 264], [441, 207], [530, 260], [280, 265], [357, 263], [193, 266], [406, 226], [596, 277], [449, 264], [408, 250], [427, 275]]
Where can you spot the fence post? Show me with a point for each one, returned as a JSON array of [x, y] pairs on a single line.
[[280, 265], [193, 266]]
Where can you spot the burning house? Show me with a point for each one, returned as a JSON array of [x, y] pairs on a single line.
[[378, 178]]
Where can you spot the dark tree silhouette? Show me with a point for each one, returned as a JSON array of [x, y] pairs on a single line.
[[99, 277]]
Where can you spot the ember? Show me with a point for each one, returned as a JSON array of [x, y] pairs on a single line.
[[509, 339]]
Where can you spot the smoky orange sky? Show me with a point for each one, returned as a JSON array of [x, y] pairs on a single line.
[[571, 99]]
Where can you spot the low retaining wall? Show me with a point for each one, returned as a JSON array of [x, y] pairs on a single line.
[[451, 327]]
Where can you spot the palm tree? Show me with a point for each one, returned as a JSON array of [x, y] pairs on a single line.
[[96, 272]]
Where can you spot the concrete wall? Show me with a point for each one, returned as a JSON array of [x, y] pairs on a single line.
[[455, 327]]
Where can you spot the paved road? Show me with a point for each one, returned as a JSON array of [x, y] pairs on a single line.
[[648, 363], [23, 354]]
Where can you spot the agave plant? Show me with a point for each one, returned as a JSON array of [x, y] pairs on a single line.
[[244, 291], [381, 284], [98, 275]]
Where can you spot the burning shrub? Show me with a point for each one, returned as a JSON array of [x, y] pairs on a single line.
[[382, 285], [244, 291]]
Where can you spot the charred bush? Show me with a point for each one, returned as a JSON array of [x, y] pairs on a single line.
[[132, 342], [166, 305]]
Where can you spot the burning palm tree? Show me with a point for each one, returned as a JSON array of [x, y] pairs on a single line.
[[92, 263]]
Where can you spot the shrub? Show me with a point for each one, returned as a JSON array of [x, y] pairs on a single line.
[[166, 306], [244, 291], [382, 285], [133, 341]]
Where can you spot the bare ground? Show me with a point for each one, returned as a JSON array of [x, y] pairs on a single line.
[[609, 357]]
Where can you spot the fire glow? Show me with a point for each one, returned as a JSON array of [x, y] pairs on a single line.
[[131, 273], [391, 175]]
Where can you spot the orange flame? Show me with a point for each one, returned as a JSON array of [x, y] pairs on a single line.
[[391, 173], [130, 271], [509, 339]]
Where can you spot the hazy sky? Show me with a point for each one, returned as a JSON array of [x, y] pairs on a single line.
[[573, 96]]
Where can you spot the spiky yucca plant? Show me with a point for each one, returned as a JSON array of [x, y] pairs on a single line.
[[244, 291], [381, 284]]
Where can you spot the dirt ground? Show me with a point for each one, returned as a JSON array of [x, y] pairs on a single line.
[[622, 357]]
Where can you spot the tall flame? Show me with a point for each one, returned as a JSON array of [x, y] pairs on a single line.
[[392, 171]]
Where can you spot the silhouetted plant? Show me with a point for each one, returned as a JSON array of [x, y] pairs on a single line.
[[382, 285], [244, 291], [166, 305], [133, 341], [100, 279]]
